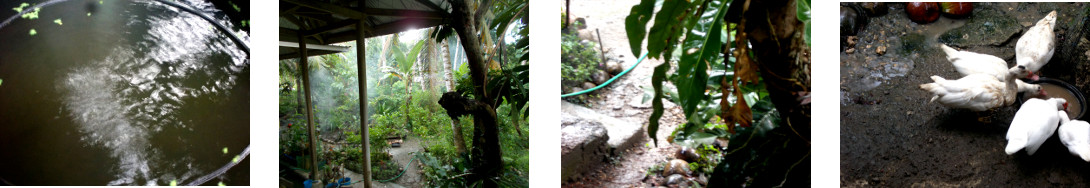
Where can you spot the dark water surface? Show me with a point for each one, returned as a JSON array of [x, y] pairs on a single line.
[[136, 93]]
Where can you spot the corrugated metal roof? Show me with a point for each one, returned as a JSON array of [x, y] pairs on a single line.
[[333, 21]]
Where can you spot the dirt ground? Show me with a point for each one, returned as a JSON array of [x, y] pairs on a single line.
[[624, 98], [891, 136]]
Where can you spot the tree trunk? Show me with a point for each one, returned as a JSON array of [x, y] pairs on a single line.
[[386, 46], [486, 161], [486, 146], [455, 124], [783, 58]]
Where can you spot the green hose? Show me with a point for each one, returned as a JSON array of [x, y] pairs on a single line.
[[402, 172], [607, 82]]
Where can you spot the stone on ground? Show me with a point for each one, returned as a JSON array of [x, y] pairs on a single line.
[[588, 137]]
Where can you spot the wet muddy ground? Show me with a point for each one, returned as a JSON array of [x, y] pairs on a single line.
[[891, 136]]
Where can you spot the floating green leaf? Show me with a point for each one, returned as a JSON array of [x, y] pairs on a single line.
[[236, 6], [58, 21], [1, 81], [32, 32], [21, 7], [221, 184], [173, 182], [224, 150], [31, 15], [235, 160], [88, 14]]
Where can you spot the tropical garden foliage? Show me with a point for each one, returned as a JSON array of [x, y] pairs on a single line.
[[722, 84], [406, 77]]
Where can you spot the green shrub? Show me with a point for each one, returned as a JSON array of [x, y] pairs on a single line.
[[578, 60]]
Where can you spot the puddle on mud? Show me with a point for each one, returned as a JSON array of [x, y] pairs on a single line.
[[902, 48]]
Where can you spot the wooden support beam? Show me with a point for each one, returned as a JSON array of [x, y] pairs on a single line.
[[310, 110], [384, 29], [331, 27], [298, 23], [361, 73], [354, 14], [311, 47], [309, 53], [431, 5], [405, 13]]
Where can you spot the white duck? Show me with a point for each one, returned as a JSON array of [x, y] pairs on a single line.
[[1075, 134], [1034, 122], [977, 92], [1034, 49], [968, 63]]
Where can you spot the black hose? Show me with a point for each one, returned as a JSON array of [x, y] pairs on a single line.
[[218, 172], [28, 10], [221, 27]]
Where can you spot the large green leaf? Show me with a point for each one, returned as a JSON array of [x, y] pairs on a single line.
[[657, 78], [636, 24], [410, 58], [702, 45], [802, 10], [667, 28], [506, 16]]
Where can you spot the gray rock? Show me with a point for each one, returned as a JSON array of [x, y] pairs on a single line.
[[580, 23], [613, 67], [583, 144], [589, 36], [589, 85], [875, 9], [587, 138], [622, 134], [675, 167], [986, 27], [702, 180], [600, 77], [675, 179], [687, 154]]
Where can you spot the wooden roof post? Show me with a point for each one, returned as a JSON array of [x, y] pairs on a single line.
[[304, 66], [361, 73]]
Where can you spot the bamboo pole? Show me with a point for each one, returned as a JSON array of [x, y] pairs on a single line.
[[361, 73]]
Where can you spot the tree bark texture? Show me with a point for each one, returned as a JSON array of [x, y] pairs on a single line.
[[783, 58], [486, 147]]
